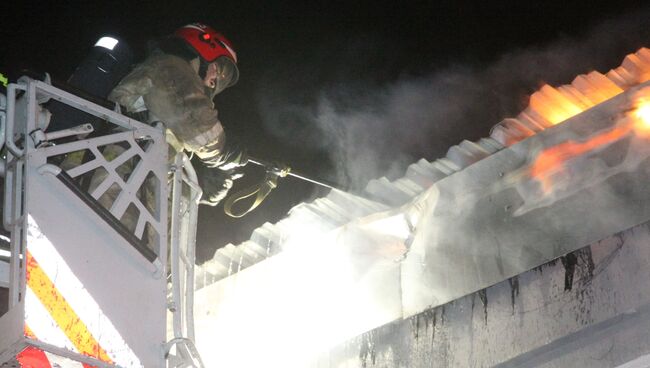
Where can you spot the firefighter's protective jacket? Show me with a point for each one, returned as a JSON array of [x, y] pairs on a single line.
[[173, 93]]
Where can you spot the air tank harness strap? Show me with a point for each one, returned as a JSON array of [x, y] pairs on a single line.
[[259, 190]]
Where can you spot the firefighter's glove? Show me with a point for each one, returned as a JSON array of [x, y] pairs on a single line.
[[233, 156], [215, 183]]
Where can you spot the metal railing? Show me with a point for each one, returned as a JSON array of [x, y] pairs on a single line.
[[184, 217], [128, 190]]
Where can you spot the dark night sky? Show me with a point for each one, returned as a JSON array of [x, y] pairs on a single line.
[[290, 52]]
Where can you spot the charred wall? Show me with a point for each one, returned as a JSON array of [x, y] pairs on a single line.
[[588, 308]]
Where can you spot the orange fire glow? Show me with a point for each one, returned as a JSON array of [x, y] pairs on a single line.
[[642, 115], [550, 106], [553, 105], [558, 105], [554, 159]]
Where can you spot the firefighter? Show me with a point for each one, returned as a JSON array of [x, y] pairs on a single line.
[[175, 85]]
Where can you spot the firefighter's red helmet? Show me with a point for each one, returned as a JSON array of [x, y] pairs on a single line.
[[212, 46], [208, 43]]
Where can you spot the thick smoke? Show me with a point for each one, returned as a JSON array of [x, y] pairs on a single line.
[[372, 129]]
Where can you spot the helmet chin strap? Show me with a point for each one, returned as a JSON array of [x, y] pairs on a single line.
[[200, 67], [203, 68], [211, 92]]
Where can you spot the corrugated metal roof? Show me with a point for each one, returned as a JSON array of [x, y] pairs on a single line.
[[338, 208]]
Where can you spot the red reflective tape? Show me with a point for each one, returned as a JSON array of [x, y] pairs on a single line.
[[32, 357]]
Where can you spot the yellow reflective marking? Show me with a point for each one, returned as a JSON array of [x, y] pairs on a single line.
[[64, 316], [29, 333]]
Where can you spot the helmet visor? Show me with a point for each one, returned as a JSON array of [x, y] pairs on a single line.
[[224, 74]]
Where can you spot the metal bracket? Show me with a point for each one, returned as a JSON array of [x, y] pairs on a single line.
[[192, 358], [91, 202], [40, 138]]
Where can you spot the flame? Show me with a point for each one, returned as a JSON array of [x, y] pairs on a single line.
[[642, 117], [553, 105], [554, 159], [550, 106], [556, 105]]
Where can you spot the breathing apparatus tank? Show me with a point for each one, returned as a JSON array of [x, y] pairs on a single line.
[[109, 60]]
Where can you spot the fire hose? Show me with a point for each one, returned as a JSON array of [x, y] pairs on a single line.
[[262, 189]]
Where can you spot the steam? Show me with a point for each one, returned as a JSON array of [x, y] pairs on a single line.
[[369, 130], [352, 277]]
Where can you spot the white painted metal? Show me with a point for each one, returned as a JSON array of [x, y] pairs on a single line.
[[67, 354], [4, 274], [640, 362], [189, 244], [182, 258], [39, 137], [129, 288], [11, 338], [12, 217], [11, 106], [3, 119]]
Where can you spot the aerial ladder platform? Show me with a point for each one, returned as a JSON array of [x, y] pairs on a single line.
[[94, 274]]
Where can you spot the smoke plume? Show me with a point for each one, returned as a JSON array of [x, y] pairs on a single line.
[[350, 277], [371, 129]]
